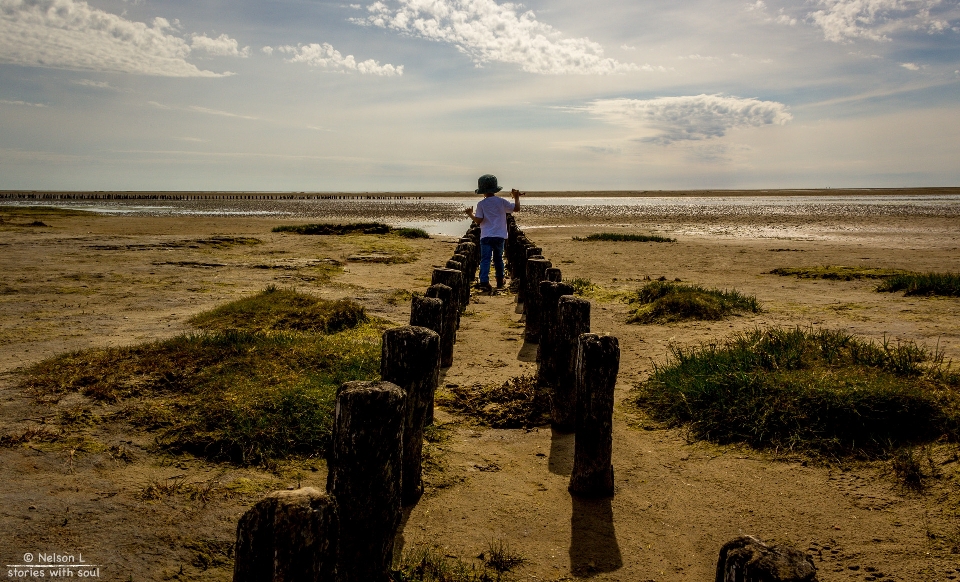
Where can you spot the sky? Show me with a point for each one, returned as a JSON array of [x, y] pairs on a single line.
[[427, 95]]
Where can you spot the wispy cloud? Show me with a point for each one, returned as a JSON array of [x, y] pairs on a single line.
[[222, 46], [209, 111], [70, 34], [688, 118], [199, 109], [846, 20], [95, 84], [490, 32], [327, 57], [25, 103]]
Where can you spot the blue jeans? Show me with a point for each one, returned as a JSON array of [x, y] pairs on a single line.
[[491, 247]]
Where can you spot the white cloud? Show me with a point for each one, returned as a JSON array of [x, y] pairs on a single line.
[[198, 109], [698, 57], [688, 118], [222, 46], [95, 84], [845, 20], [327, 57], [208, 111], [786, 19], [70, 34], [26, 103], [910, 66], [490, 32], [267, 50], [627, 47]]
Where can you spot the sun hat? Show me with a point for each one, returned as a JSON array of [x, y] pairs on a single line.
[[488, 184]]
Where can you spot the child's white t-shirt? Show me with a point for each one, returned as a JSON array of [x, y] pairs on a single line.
[[493, 210]]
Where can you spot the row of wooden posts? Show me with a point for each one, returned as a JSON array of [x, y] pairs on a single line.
[[375, 467], [346, 534], [38, 195]]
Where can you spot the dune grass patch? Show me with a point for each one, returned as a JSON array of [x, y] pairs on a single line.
[[516, 403], [251, 388], [351, 228], [803, 390], [584, 287], [624, 237], [408, 232], [943, 284], [276, 309], [430, 564], [668, 301], [837, 272]]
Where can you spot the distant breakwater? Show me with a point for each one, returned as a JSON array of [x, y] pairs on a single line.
[[35, 195]]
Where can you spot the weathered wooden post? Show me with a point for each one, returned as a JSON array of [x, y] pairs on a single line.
[[598, 362], [747, 559], [288, 536], [536, 272], [461, 263], [427, 312], [573, 319], [521, 268], [410, 358], [364, 476], [550, 293], [471, 262], [452, 278], [553, 274], [451, 309]]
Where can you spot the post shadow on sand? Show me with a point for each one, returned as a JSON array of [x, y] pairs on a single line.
[[593, 540], [528, 352], [399, 541], [561, 452]]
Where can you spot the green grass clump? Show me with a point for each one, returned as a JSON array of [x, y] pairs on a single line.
[[816, 391], [245, 397], [666, 301], [258, 384], [517, 403], [352, 228], [407, 232], [275, 309], [335, 229], [944, 284], [621, 237], [837, 273], [583, 286], [426, 564]]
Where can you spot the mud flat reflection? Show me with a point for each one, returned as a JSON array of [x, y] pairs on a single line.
[[775, 216]]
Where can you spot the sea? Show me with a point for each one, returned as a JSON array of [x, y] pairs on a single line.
[[443, 215]]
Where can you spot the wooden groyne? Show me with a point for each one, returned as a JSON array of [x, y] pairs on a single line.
[[42, 195]]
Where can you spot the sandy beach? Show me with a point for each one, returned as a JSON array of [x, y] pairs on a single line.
[[88, 280]]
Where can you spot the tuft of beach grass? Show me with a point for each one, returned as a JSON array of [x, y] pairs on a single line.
[[276, 309], [943, 284], [807, 390], [432, 564], [623, 237], [352, 228], [251, 389], [837, 272], [668, 301]]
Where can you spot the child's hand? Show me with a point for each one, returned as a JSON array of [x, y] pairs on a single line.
[[516, 192]]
